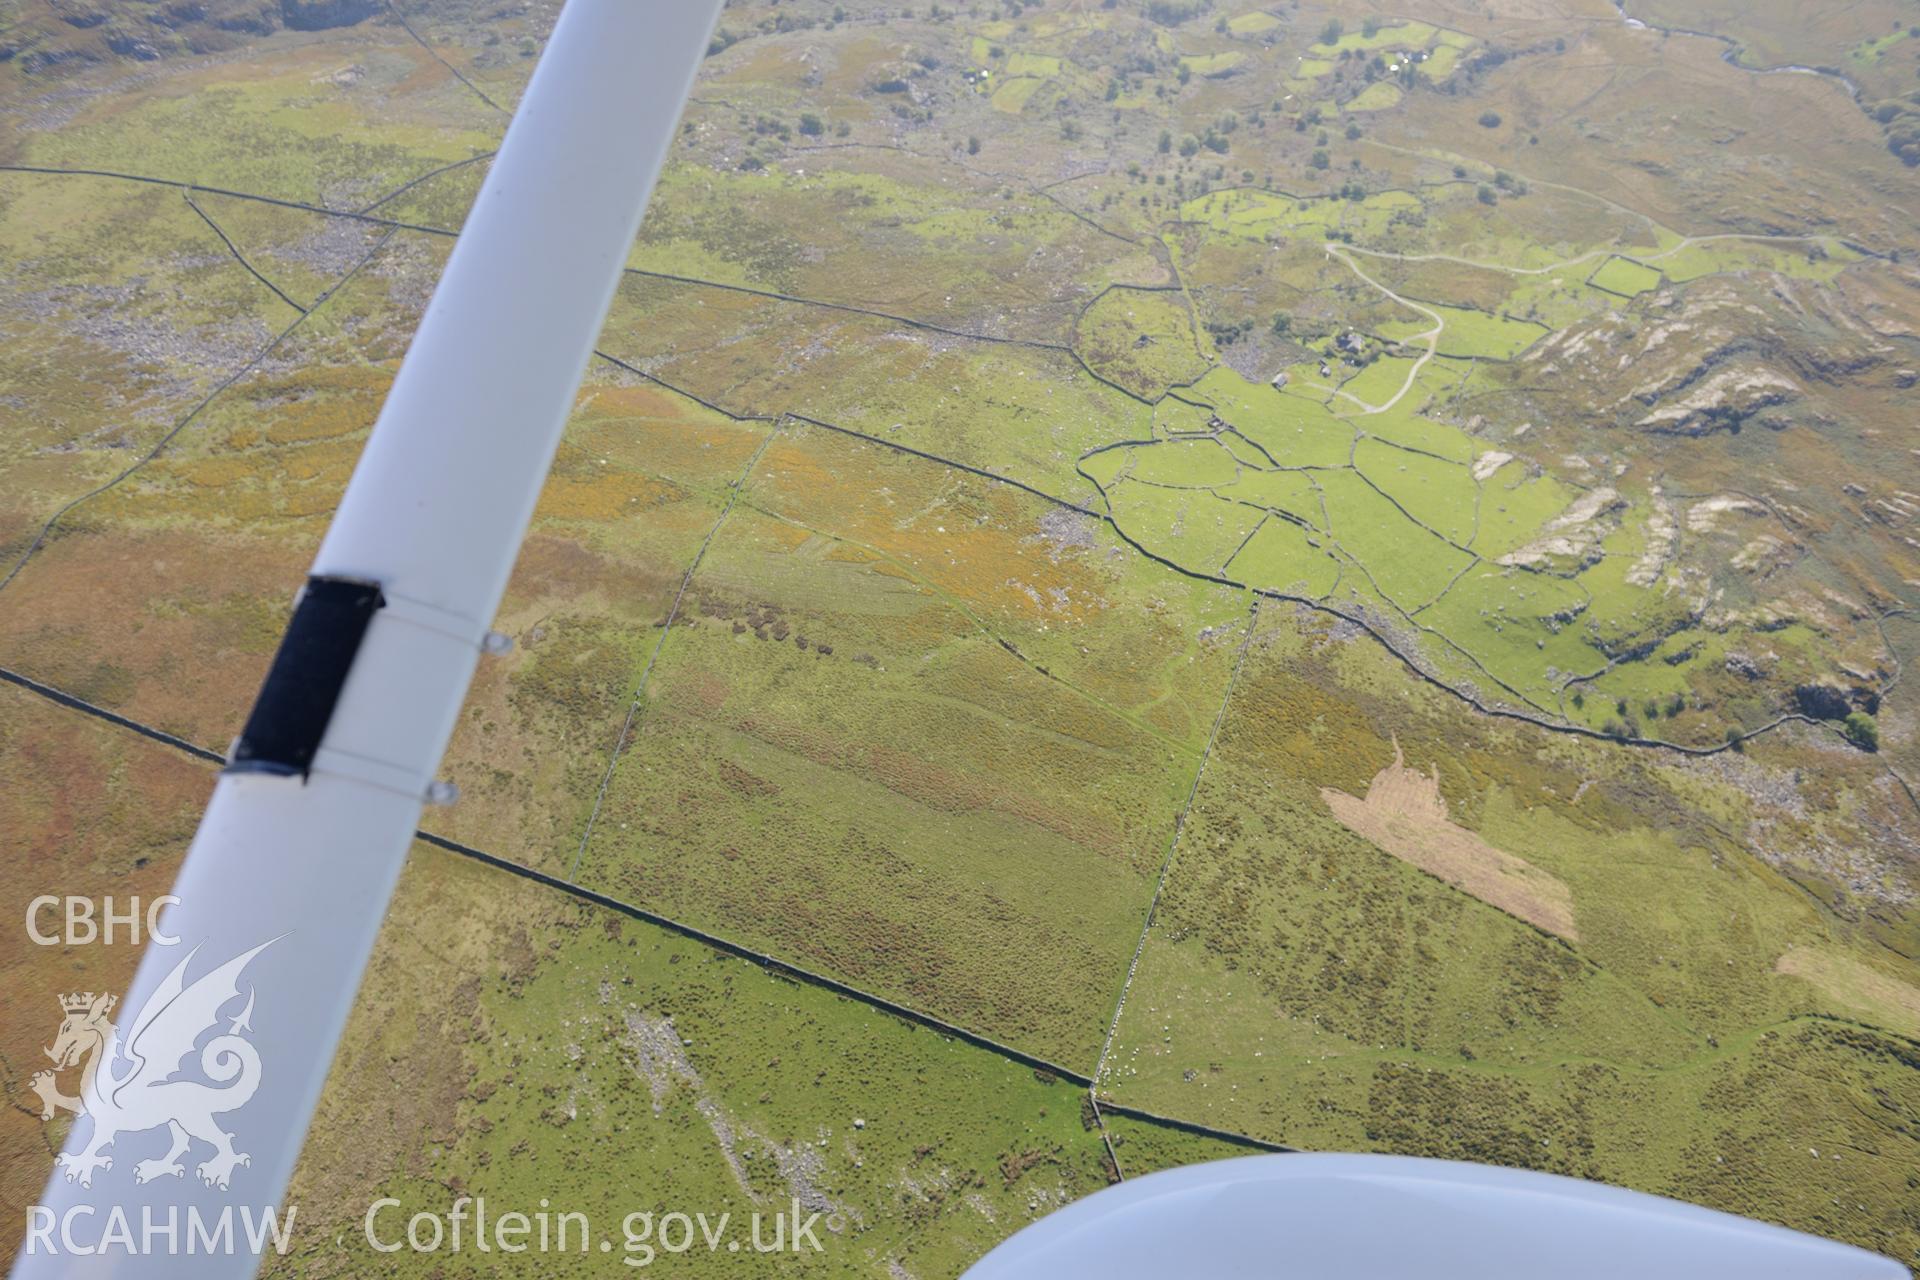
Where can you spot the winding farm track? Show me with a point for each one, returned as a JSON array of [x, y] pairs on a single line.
[[1431, 335]]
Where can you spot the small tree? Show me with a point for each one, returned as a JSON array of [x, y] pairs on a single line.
[[1320, 160], [1489, 119], [1330, 34], [973, 144], [810, 124], [1861, 730]]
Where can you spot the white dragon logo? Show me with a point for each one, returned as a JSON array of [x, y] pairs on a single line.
[[145, 1094]]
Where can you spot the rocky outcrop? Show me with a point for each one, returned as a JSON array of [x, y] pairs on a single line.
[[318, 15], [1573, 538], [1825, 701], [1723, 401], [64, 35]]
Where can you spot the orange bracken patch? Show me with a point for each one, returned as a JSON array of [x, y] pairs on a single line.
[[1405, 815]]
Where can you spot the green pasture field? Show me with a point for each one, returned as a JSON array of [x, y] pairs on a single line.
[[1143, 340], [1213, 64], [1440, 495], [1820, 260], [1405, 35], [1281, 556], [1470, 333], [1014, 92], [1185, 464], [1033, 64], [1375, 97], [1374, 386], [1440, 62], [1194, 528], [1624, 277], [1293, 432], [1402, 426], [1292, 493]]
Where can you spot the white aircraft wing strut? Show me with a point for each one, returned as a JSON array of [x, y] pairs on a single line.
[[308, 828]]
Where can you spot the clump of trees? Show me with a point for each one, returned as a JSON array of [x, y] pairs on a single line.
[[1171, 13], [1861, 730], [1228, 332]]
